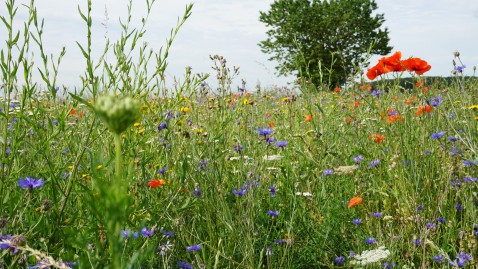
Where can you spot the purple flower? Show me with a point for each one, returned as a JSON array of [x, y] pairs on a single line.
[[437, 135], [420, 208], [469, 179], [376, 214], [464, 257], [453, 139], [194, 248], [374, 163], [438, 258], [127, 234], [417, 242], [430, 225], [273, 213], [458, 207], [162, 126], [197, 193], [30, 183], [272, 190], [459, 68], [371, 241], [167, 233], [436, 101], [455, 151], [147, 233], [270, 140], [376, 92], [279, 241], [441, 220], [387, 265], [467, 163], [8, 151], [185, 265], [239, 193], [238, 148], [339, 260], [265, 132], [358, 158], [328, 172], [475, 230], [281, 144], [357, 222]]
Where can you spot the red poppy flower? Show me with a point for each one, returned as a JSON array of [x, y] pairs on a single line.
[[354, 201], [154, 183], [416, 65]]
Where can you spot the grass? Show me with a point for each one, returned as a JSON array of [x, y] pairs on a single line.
[[204, 177]]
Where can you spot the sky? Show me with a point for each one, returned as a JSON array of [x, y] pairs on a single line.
[[430, 29]]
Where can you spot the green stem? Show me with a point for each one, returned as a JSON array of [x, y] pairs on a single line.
[[117, 183]]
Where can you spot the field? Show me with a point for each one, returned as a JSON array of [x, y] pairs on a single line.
[[124, 172]]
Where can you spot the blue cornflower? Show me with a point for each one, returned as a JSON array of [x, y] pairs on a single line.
[[441, 220], [167, 233], [376, 92], [459, 68], [162, 126], [357, 222], [376, 214], [374, 163], [197, 192], [430, 225], [436, 101], [438, 258], [161, 171], [272, 190], [8, 151], [30, 183], [358, 158], [194, 248], [238, 148], [469, 179], [127, 234], [475, 230], [265, 132], [417, 242], [371, 241], [339, 260], [453, 139], [420, 208], [437, 135], [147, 233], [458, 207], [185, 265], [328, 172], [464, 257], [387, 265], [273, 213], [55, 122], [239, 193], [279, 241], [467, 163], [281, 144], [270, 140], [455, 151]]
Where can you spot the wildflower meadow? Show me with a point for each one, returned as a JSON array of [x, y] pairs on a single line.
[[129, 171]]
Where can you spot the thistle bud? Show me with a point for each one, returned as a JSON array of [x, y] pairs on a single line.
[[117, 112], [456, 53]]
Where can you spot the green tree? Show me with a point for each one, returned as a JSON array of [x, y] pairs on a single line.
[[323, 40]]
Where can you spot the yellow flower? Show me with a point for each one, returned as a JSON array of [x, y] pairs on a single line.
[[473, 107], [140, 132], [99, 167], [137, 124], [185, 109], [70, 167]]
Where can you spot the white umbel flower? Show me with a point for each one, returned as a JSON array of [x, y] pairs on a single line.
[[372, 256]]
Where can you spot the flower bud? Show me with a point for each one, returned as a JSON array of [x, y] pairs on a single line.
[[117, 112]]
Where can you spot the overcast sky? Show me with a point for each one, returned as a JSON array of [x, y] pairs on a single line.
[[429, 29]]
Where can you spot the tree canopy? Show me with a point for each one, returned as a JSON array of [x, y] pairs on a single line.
[[323, 40]]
